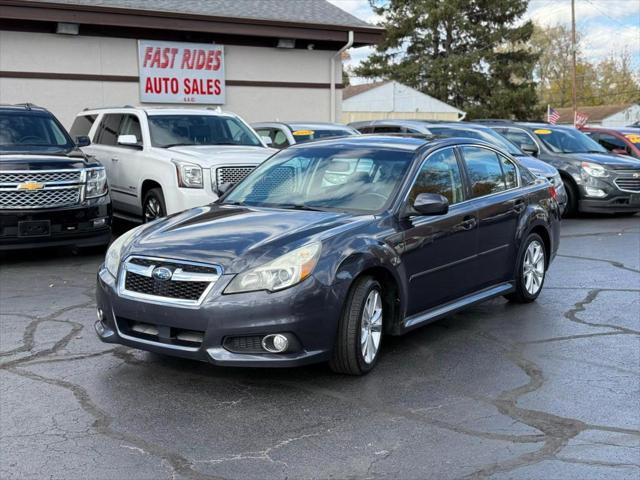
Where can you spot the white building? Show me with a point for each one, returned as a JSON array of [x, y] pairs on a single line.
[[388, 100], [604, 115], [66, 55]]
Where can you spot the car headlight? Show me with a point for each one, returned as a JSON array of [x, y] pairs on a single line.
[[189, 174], [96, 182], [114, 253], [594, 170], [283, 272]]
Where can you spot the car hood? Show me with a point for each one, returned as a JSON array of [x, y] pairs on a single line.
[[612, 161], [237, 237], [215, 155], [43, 161], [537, 166]]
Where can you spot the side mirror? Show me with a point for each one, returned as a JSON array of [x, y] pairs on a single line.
[[529, 148], [128, 141], [83, 141], [224, 188], [431, 204], [267, 140]]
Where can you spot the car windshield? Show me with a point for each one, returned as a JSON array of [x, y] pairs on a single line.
[[487, 135], [303, 134], [567, 141], [330, 178], [20, 131], [174, 130]]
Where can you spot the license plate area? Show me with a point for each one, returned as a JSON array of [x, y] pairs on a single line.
[[634, 199], [34, 228]]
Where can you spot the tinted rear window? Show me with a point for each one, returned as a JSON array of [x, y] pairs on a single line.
[[82, 125]]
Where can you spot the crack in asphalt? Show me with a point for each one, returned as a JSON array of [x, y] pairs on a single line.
[[613, 263], [572, 314]]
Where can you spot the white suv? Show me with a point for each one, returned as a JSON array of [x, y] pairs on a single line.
[[160, 161]]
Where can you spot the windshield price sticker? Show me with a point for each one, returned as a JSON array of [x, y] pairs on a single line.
[[301, 133], [543, 131], [174, 72], [633, 137]]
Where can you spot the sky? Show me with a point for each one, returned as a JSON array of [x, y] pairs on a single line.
[[606, 25]]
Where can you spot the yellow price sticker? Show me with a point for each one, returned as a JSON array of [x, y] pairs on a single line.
[[300, 133], [543, 131], [633, 137]]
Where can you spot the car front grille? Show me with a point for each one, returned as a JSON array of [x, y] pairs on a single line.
[[46, 198], [32, 189], [628, 181], [232, 174], [188, 284], [72, 176], [244, 344]]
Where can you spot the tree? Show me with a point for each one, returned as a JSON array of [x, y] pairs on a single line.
[[469, 53], [617, 83]]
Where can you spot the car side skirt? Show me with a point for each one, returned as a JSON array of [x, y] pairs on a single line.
[[441, 311]]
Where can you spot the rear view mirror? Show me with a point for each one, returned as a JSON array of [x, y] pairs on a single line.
[[431, 204], [83, 141], [529, 148], [128, 141]]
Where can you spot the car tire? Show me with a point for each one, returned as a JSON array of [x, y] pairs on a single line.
[[530, 270], [571, 208], [359, 337], [153, 205]]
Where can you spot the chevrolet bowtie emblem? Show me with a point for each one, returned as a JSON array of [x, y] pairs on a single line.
[[30, 186], [636, 175]]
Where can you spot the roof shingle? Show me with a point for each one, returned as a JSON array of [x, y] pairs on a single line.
[[319, 12]]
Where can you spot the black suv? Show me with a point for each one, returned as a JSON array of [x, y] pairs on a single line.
[[595, 179], [51, 194]]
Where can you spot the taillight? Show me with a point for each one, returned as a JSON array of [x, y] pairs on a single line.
[[553, 193]]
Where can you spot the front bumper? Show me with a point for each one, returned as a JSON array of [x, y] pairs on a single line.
[[72, 226], [615, 200], [309, 311]]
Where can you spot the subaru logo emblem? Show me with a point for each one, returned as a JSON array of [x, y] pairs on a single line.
[[162, 273]]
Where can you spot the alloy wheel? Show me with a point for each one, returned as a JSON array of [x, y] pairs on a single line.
[[533, 267], [152, 209], [371, 326]]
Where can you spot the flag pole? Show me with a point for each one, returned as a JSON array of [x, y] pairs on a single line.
[[548, 111]]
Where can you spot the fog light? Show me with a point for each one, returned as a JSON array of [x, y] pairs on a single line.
[[100, 328], [277, 343], [595, 192], [99, 314], [99, 222]]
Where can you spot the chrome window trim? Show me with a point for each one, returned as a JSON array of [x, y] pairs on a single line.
[[453, 147], [182, 277]]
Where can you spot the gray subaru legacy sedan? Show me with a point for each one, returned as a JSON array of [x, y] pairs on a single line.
[[326, 248]]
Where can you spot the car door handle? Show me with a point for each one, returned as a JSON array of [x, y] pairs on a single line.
[[115, 159], [468, 222], [519, 206]]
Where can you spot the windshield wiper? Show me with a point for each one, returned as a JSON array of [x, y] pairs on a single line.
[[299, 206]]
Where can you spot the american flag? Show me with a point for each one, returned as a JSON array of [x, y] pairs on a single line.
[[552, 115], [581, 119]]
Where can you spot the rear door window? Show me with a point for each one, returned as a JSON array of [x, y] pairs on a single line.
[[485, 172], [108, 129], [82, 125]]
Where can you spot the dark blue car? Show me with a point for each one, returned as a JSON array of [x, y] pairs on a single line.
[[326, 247]]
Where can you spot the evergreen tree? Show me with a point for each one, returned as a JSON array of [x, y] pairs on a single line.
[[472, 54]]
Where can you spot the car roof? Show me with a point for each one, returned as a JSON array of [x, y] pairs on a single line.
[[389, 142], [621, 130], [304, 125]]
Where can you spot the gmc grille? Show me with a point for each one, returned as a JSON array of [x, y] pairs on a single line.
[[231, 174]]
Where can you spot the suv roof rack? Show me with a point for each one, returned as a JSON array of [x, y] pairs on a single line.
[[104, 108]]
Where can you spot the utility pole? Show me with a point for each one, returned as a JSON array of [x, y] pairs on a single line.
[[573, 54]]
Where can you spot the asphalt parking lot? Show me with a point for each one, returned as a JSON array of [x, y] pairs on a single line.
[[542, 391]]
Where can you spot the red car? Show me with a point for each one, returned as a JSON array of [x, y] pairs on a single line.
[[625, 140]]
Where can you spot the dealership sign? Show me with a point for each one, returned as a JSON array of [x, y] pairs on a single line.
[[172, 72]]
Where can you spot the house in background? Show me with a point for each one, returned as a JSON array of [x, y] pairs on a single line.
[[604, 115], [393, 100]]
